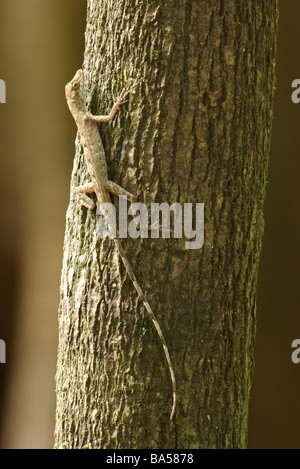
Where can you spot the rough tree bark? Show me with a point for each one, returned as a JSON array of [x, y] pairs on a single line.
[[196, 129]]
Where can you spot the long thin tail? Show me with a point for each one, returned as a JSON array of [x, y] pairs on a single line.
[[154, 320]]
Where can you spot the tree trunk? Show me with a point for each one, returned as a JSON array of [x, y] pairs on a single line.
[[196, 129]]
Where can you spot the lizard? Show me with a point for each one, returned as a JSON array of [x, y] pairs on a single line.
[[96, 162]]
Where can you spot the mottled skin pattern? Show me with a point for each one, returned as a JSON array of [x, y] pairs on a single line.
[[96, 162]]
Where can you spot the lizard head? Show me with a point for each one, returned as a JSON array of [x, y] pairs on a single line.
[[74, 87]]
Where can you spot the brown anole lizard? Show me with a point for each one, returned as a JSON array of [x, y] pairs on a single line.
[[96, 163]]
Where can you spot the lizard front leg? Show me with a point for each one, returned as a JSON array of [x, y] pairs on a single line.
[[106, 118]]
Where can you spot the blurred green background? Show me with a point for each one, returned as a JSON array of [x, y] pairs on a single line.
[[42, 43]]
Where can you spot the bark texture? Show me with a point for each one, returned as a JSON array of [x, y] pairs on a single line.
[[196, 129]]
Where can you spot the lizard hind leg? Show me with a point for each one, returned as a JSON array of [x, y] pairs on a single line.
[[118, 190], [88, 188]]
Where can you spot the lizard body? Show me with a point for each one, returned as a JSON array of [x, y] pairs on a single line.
[[96, 162]]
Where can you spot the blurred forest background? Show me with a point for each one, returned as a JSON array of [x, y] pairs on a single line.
[[42, 44]]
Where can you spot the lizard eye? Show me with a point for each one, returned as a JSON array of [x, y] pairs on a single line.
[[75, 86]]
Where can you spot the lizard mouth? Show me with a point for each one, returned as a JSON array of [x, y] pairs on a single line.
[[78, 78], [78, 75]]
